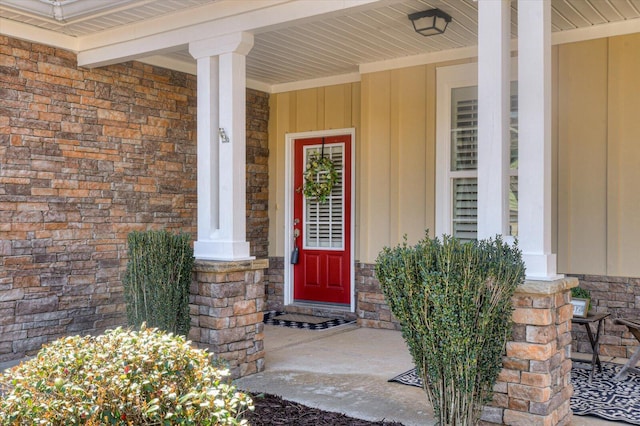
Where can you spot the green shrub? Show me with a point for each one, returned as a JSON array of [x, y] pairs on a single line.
[[454, 304], [157, 280], [120, 378]]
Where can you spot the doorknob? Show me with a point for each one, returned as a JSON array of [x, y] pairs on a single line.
[[296, 231]]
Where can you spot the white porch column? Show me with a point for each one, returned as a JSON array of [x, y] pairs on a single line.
[[534, 141], [494, 78], [222, 162]]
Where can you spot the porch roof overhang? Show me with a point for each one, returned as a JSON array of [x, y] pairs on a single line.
[[298, 43]]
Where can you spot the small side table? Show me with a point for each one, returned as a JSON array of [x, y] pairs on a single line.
[[595, 341]]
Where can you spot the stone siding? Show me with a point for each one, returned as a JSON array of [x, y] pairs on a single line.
[[258, 172], [86, 156], [370, 304], [226, 304], [534, 385], [274, 288], [621, 297]]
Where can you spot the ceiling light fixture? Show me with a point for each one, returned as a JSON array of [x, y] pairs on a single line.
[[430, 22]]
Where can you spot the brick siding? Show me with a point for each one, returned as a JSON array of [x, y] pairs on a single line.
[[86, 156]]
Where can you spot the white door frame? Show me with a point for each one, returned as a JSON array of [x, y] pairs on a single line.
[[290, 138]]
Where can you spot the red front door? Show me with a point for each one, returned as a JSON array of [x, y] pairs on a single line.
[[323, 271]]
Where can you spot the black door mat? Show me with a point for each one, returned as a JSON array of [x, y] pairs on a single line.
[[306, 322]]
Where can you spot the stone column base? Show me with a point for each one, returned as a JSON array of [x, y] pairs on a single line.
[[226, 304], [534, 385]]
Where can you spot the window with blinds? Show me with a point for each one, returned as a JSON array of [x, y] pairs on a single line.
[[513, 170], [464, 162], [324, 222]]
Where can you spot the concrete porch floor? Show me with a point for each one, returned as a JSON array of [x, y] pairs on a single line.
[[345, 369]]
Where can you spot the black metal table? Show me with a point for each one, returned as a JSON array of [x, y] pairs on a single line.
[[593, 340]]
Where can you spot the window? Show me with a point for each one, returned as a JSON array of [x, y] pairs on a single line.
[[324, 222], [457, 154]]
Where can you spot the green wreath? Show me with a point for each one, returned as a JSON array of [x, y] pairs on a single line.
[[319, 178]]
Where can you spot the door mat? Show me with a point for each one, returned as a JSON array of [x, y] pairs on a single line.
[[618, 401], [604, 397], [307, 322]]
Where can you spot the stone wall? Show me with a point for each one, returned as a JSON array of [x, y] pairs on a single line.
[[86, 156], [534, 385], [226, 304], [274, 288], [370, 304], [258, 172], [621, 297]]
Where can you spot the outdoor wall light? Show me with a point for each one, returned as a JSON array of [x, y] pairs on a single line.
[[430, 22]]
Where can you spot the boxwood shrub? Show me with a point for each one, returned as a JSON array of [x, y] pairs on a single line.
[[453, 301], [122, 377], [157, 280]]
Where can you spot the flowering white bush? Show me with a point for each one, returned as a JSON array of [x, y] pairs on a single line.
[[123, 377]]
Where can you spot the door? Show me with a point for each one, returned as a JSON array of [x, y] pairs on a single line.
[[323, 229]]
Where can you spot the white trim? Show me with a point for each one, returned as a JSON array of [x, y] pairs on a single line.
[[38, 35], [240, 42], [290, 138], [134, 41], [611, 29], [448, 78], [180, 22], [171, 63], [258, 85], [306, 149], [422, 59], [316, 82]]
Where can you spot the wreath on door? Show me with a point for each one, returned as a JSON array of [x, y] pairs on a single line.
[[320, 177]]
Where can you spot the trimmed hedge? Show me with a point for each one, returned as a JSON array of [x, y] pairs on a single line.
[[453, 301]]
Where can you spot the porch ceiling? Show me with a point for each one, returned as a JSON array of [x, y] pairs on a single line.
[[304, 49]]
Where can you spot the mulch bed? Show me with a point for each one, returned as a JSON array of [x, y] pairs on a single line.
[[272, 410]]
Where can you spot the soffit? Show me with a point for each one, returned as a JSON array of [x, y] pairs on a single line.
[[313, 48]]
